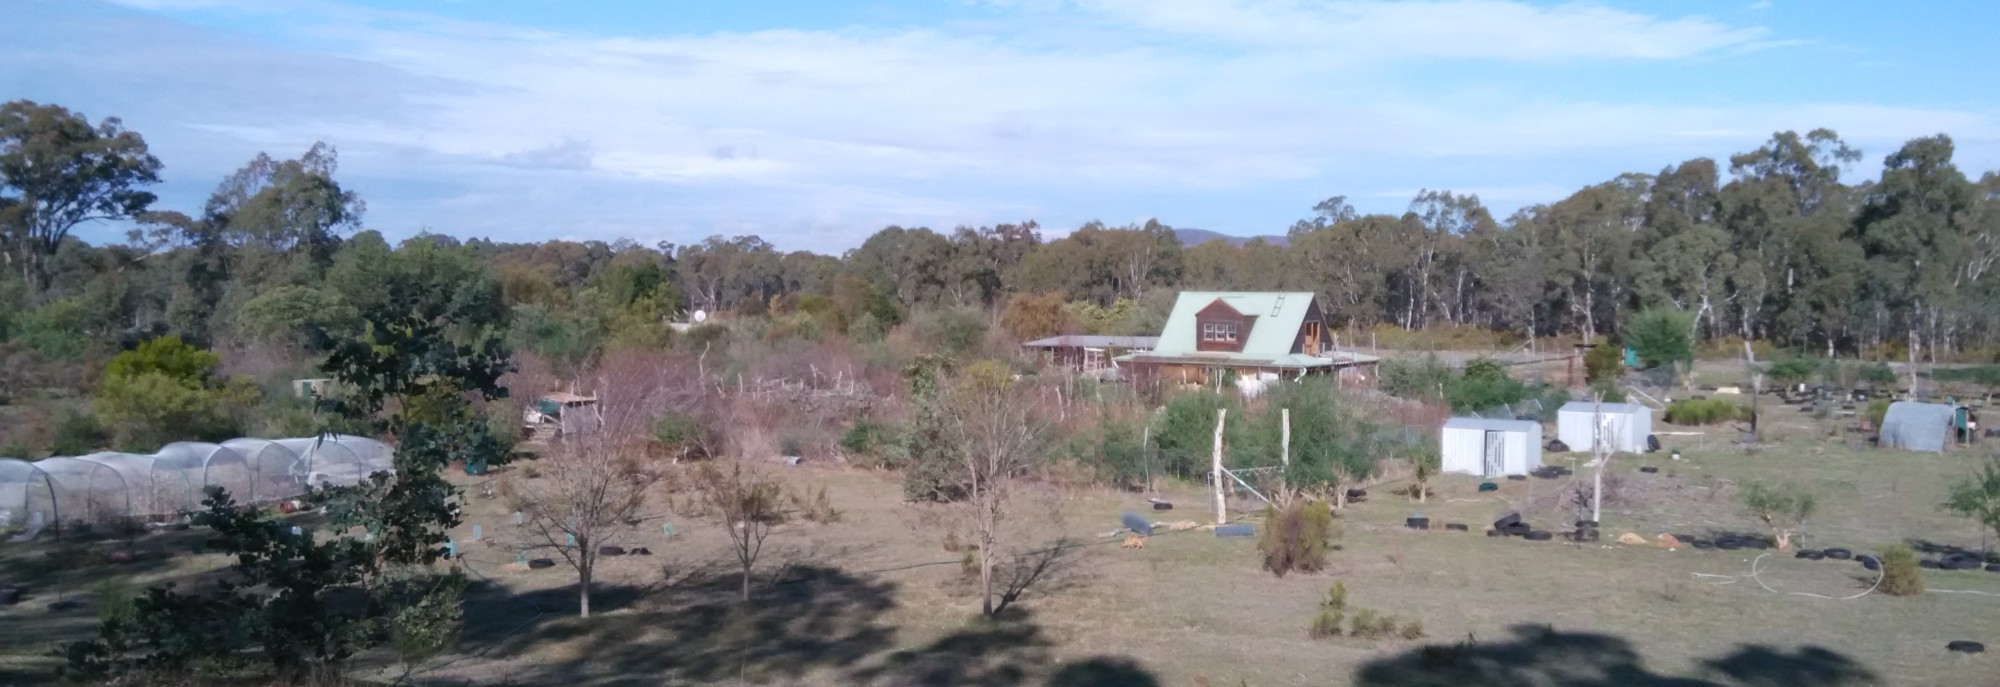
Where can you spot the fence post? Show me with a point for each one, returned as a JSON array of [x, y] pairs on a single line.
[[1215, 470], [1284, 442]]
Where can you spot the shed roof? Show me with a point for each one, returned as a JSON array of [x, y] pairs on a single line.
[[1094, 341], [1608, 408], [1491, 424]]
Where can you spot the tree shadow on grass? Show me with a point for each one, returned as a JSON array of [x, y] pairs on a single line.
[[1537, 656], [700, 630], [1008, 651]]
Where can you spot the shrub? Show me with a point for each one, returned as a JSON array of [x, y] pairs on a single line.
[[866, 437], [1792, 370], [1416, 378], [813, 504], [1366, 624], [955, 330], [1877, 409], [1604, 363], [1661, 336], [1332, 610], [1326, 623], [1413, 629], [1296, 538], [1703, 411], [1900, 574], [1185, 433], [1783, 508], [77, 433]]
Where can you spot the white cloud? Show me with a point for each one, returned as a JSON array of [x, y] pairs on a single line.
[[1233, 114], [1472, 29]]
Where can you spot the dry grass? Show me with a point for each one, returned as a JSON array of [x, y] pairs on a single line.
[[875, 599]]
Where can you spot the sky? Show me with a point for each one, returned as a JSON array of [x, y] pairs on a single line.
[[815, 123]]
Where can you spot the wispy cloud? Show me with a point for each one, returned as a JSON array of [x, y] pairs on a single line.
[[1231, 115]]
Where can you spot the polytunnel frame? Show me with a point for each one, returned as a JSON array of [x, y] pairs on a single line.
[[17, 506], [325, 462], [213, 465], [273, 468], [154, 488], [74, 481]]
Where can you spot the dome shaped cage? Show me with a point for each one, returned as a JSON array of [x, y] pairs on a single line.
[[27, 500], [90, 497], [212, 465], [271, 467]]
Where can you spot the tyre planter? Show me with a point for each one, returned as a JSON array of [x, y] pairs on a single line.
[[1649, 469], [641, 551], [1519, 529], [611, 551], [1702, 545], [1929, 564], [1592, 524], [1506, 521], [1538, 535], [1993, 567], [1518, 478], [1809, 554], [1488, 486], [1163, 506], [1871, 562], [1495, 533], [1961, 564], [541, 563], [1839, 554], [10, 596], [1728, 544], [1417, 522], [1457, 527], [1965, 647]]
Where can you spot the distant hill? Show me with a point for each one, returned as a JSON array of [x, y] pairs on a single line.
[[1196, 237]]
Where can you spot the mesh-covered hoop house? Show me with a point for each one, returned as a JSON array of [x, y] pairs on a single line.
[[153, 487], [87, 493], [212, 465], [324, 462], [27, 500], [375, 456], [272, 468]]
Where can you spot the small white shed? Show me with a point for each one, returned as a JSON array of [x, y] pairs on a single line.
[[1490, 448], [1626, 425]]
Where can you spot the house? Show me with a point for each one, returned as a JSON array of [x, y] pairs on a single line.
[[558, 414], [1089, 354], [1255, 334], [1490, 448], [1625, 426]]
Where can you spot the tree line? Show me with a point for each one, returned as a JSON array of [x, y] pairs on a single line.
[[1776, 245]]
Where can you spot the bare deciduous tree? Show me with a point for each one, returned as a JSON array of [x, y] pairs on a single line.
[[999, 434], [591, 488], [749, 502]]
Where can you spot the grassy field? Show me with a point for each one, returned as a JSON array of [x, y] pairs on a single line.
[[876, 599]]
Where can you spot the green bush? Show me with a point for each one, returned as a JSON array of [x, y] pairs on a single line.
[[1415, 378], [1792, 370], [1296, 538], [1901, 576], [1366, 624], [1877, 409], [1185, 431], [1661, 336], [954, 330], [77, 433], [1604, 363], [866, 437], [1326, 623], [1704, 411]]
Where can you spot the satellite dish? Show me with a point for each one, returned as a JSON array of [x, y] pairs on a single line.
[[700, 316]]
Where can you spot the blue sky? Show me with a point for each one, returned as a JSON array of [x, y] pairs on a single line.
[[813, 124]]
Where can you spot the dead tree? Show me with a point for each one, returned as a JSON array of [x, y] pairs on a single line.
[[590, 491], [999, 435], [749, 502]]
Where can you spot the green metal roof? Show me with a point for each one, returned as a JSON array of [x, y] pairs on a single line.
[[1279, 315]]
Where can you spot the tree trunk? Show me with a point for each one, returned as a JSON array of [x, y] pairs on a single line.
[[583, 584], [986, 583], [746, 580]]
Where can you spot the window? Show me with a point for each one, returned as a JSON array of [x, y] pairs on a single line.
[[1218, 331]]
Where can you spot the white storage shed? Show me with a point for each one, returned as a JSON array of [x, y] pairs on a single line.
[[1626, 425], [1490, 448]]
